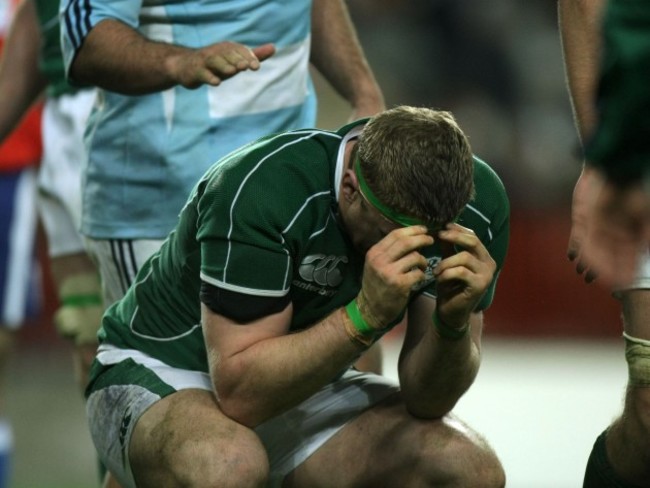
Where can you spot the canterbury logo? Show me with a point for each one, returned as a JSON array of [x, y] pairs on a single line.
[[322, 269]]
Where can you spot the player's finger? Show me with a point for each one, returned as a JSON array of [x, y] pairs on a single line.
[[460, 278], [412, 260], [241, 58], [573, 248], [206, 77], [465, 238], [403, 241], [590, 276], [264, 51], [466, 260], [220, 66]]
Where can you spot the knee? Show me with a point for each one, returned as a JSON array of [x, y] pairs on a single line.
[[227, 465], [462, 458]]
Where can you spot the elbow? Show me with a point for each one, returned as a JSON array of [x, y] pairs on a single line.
[[237, 411], [80, 72], [238, 406]]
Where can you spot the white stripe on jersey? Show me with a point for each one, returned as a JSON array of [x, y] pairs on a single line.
[[475, 210], [309, 135]]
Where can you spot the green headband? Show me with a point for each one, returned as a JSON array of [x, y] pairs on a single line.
[[386, 211]]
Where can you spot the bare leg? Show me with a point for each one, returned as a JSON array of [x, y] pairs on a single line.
[[185, 440], [84, 342], [628, 439], [65, 268], [385, 446]]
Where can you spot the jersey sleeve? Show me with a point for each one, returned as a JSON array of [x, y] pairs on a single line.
[[242, 249], [78, 17], [253, 216]]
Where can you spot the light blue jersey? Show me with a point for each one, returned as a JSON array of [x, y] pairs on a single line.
[[147, 152]]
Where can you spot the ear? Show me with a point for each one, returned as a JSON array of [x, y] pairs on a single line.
[[349, 185]]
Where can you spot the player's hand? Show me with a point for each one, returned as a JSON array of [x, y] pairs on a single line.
[[582, 195], [463, 276], [213, 64], [618, 229], [392, 267]]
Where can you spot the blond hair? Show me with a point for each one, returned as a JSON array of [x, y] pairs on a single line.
[[418, 162]]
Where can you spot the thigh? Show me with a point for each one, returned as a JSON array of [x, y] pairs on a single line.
[[386, 446], [155, 425], [185, 440], [292, 437]]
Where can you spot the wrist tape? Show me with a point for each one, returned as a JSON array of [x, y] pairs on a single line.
[[81, 308], [637, 355], [358, 330]]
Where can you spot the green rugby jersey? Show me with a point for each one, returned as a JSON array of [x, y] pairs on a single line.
[[263, 221], [620, 145]]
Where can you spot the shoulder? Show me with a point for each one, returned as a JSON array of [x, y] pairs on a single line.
[[272, 175], [488, 213], [490, 197]]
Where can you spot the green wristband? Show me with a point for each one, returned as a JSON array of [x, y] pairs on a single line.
[[357, 320], [78, 301], [446, 332]]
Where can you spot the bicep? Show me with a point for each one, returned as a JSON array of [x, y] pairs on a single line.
[[80, 19]]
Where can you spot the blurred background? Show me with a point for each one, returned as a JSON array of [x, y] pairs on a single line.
[[553, 371]]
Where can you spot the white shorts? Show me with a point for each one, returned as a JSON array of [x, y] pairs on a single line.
[[62, 166], [138, 381], [118, 261]]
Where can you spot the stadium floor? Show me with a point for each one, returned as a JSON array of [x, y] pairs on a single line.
[[539, 402]]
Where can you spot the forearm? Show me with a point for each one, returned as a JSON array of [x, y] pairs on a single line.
[[118, 58], [278, 373], [580, 31], [435, 372], [21, 81], [338, 56]]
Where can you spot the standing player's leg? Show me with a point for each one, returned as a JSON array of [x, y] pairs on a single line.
[[74, 274], [621, 454]]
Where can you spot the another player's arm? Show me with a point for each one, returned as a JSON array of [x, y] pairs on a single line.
[[438, 364], [21, 81], [338, 56], [116, 57], [580, 33]]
